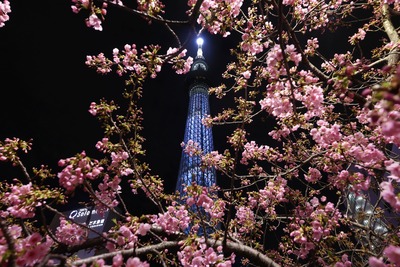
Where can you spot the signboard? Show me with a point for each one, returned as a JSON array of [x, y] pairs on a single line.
[[90, 217]]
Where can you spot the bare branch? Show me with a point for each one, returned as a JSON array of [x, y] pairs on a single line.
[[393, 58]]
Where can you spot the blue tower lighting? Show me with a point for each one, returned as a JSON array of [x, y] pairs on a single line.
[[190, 166]]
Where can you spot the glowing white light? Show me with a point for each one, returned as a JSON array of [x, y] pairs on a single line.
[[199, 42]]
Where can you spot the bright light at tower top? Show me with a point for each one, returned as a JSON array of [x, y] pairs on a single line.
[[199, 42]]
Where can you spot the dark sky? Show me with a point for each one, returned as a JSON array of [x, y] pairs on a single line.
[[46, 88]]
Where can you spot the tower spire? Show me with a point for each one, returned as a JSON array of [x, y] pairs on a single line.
[[190, 166], [199, 66], [199, 42]]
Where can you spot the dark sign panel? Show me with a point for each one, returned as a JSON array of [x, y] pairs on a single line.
[[90, 217]]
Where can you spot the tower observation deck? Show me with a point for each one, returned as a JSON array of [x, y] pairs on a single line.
[[190, 166]]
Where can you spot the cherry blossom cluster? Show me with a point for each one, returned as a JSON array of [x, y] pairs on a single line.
[[103, 144], [313, 175], [393, 167], [76, 170], [5, 8], [386, 111], [100, 63], [315, 15], [119, 163], [389, 193], [252, 151], [360, 35], [281, 95], [199, 254], [9, 148], [390, 124], [127, 236], [245, 220], [344, 261], [70, 233], [191, 148], [311, 47], [212, 159], [204, 198], [151, 185], [128, 58], [102, 109], [225, 11], [80, 4], [129, 61], [237, 138], [118, 261], [312, 97], [278, 102], [272, 194], [357, 181], [96, 16], [392, 253], [176, 218], [274, 66], [326, 135], [22, 200], [363, 150], [180, 65], [152, 8], [118, 158], [253, 41], [311, 224], [29, 250], [17, 198], [106, 195]]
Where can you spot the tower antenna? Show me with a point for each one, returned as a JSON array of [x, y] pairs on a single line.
[[199, 42]]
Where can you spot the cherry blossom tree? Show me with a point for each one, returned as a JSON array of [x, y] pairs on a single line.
[[310, 173]]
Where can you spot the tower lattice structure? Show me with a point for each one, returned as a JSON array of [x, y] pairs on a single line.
[[190, 166]]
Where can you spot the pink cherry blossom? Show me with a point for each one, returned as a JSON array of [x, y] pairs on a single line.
[[199, 254], [136, 262], [375, 262], [393, 254], [176, 218], [143, 228], [118, 260], [5, 8], [76, 170], [345, 262], [389, 195], [191, 148], [246, 74], [313, 175], [95, 22], [212, 159], [70, 234]]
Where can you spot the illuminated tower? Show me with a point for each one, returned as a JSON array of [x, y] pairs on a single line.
[[190, 166]]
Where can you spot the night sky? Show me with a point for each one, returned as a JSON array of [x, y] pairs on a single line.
[[46, 88]]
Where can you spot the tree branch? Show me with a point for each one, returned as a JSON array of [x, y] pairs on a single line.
[[393, 58], [129, 252], [10, 244], [254, 255]]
